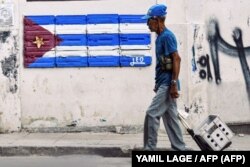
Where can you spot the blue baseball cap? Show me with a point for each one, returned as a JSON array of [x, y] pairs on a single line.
[[157, 10]]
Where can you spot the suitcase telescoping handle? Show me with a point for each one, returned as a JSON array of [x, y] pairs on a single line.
[[186, 125], [182, 119]]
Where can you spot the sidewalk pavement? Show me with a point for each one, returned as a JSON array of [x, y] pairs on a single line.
[[105, 144]]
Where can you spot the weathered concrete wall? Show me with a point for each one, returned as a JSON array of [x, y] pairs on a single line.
[[10, 113], [89, 96], [119, 96]]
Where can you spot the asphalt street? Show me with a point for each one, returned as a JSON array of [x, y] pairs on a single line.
[[64, 161]]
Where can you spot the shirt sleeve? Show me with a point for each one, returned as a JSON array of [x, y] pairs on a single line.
[[170, 44]]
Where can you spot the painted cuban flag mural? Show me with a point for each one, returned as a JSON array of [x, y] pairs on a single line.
[[134, 41], [94, 40], [103, 40], [71, 51], [39, 41]]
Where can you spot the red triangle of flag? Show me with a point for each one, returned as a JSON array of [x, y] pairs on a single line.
[[37, 41]]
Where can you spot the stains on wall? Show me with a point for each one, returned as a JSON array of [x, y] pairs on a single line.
[[9, 64], [9, 69], [41, 122], [6, 14], [3, 36], [10, 118], [1, 123], [194, 67], [199, 60], [196, 111], [196, 106]]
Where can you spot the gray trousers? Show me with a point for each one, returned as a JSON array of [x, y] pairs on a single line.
[[162, 106]]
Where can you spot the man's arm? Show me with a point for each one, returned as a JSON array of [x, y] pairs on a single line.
[[175, 73]]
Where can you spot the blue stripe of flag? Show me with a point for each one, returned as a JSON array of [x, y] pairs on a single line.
[[71, 19], [73, 39], [135, 39], [132, 19], [43, 62], [42, 20], [102, 19], [103, 39], [72, 61]]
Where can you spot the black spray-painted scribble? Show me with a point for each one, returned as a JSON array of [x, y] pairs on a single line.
[[209, 74], [217, 43], [237, 36], [204, 62], [213, 39], [203, 74]]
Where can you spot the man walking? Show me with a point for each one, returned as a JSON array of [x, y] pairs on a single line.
[[167, 71]]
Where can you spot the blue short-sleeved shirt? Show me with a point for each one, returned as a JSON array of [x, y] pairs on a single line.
[[165, 45]]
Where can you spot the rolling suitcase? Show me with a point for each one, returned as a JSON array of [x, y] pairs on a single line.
[[211, 135]]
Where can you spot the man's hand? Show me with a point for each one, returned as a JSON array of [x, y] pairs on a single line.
[[174, 91], [155, 89]]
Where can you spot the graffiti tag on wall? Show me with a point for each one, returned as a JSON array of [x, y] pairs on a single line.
[[218, 44]]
